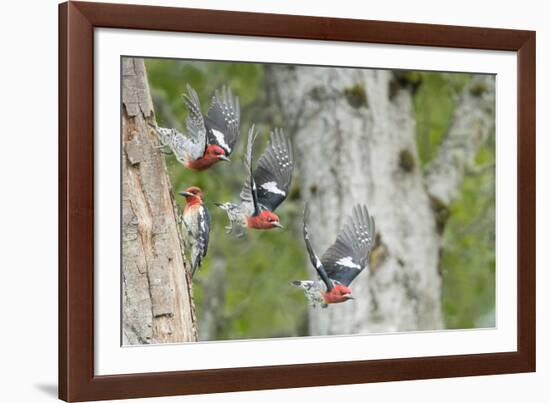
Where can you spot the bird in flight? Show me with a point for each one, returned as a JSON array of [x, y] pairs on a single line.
[[342, 262], [265, 188], [210, 138], [195, 225]]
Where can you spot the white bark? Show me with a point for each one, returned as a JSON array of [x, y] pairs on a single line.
[[354, 136], [157, 298]]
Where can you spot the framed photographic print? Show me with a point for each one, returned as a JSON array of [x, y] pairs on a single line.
[[256, 201]]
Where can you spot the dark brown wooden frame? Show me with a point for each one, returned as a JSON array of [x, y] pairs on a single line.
[[77, 21]]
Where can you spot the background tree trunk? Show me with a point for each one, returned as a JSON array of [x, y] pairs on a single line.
[[354, 137], [157, 295]]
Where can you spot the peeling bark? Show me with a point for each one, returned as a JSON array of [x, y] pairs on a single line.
[[354, 136], [157, 295]]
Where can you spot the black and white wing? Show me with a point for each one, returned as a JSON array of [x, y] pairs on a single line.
[[249, 194], [273, 175], [191, 146], [315, 261], [348, 256], [195, 124], [223, 120], [200, 247]]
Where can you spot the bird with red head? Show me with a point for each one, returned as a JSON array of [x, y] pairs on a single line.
[[266, 187], [342, 262], [210, 138], [195, 225]]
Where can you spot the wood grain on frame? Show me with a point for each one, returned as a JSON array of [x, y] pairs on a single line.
[[77, 21]]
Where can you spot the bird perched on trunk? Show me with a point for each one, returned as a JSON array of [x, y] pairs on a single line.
[[209, 138], [342, 262], [265, 188], [195, 225]]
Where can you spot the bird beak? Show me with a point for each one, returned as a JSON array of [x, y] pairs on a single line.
[[277, 224], [186, 194], [223, 158], [349, 296]]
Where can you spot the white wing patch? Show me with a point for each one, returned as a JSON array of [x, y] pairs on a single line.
[[272, 187], [348, 262], [203, 225], [318, 263], [221, 139]]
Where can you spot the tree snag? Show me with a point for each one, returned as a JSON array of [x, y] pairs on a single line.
[[156, 285]]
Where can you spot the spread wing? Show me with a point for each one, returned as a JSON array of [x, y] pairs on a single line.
[[203, 236], [315, 261], [223, 120], [348, 256], [273, 175], [249, 194], [195, 125]]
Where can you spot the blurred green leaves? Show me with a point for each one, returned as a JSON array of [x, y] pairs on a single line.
[[467, 262]]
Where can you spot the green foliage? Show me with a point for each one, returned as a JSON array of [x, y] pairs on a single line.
[[434, 104], [468, 261], [468, 256]]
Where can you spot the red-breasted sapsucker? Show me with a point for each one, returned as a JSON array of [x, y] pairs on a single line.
[[195, 225], [265, 188], [342, 262], [209, 138]]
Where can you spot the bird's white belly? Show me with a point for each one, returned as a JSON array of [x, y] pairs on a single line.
[[190, 227]]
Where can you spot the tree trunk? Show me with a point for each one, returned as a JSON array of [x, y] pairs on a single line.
[[354, 136], [157, 295]]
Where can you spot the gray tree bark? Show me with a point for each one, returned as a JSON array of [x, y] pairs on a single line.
[[157, 296], [354, 137]]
